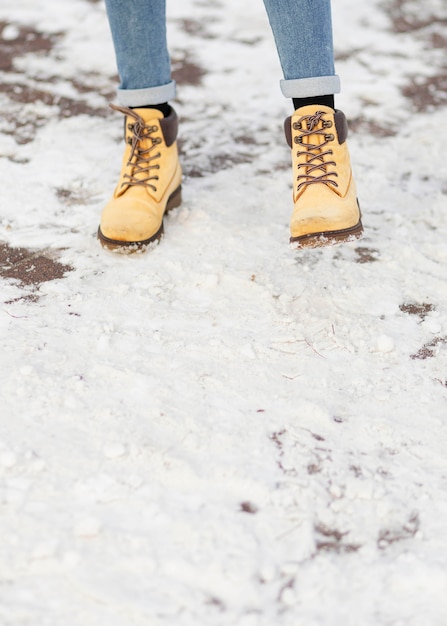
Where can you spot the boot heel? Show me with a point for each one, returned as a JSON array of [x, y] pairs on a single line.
[[175, 199]]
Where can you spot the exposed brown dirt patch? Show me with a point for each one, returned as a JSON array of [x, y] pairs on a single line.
[[406, 16], [195, 28], [430, 26], [421, 309], [428, 350], [348, 54], [427, 93], [438, 40], [248, 507], [29, 267], [18, 40], [332, 540], [186, 71], [363, 125], [74, 197], [366, 255], [68, 107], [23, 128]]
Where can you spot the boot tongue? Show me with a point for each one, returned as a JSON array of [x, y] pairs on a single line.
[[309, 122], [148, 114], [312, 118], [147, 118]]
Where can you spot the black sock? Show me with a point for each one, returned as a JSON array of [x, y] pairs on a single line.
[[324, 100], [163, 107]]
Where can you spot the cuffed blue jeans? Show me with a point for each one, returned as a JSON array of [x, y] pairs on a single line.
[[302, 30]]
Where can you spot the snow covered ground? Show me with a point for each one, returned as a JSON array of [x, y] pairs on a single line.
[[222, 431]]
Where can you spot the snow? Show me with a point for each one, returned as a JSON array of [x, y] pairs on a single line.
[[224, 430]]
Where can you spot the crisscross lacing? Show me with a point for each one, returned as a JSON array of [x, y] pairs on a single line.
[[140, 159], [314, 157]]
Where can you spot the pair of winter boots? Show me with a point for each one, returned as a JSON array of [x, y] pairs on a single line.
[[325, 209]]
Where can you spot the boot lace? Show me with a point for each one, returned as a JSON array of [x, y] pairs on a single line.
[[314, 158], [141, 159]]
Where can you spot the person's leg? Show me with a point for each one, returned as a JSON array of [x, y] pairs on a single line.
[[138, 30], [303, 35], [324, 194], [150, 180]]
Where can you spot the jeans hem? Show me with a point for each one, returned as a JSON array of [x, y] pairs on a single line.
[[146, 96], [309, 87]]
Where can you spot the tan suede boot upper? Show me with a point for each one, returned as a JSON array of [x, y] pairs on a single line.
[[324, 194], [149, 183]]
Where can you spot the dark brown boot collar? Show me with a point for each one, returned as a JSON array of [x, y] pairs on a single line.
[[288, 130], [169, 127], [340, 124]]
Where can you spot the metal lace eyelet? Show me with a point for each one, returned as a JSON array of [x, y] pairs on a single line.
[[130, 126], [298, 140], [327, 124], [129, 140], [297, 126], [329, 137]]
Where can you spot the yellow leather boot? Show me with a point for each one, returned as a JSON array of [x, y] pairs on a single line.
[[324, 195], [150, 180]]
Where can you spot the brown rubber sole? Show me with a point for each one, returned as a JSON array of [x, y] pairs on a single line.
[[174, 200], [328, 238]]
